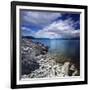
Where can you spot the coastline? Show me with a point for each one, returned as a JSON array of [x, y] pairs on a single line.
[[36, 62]]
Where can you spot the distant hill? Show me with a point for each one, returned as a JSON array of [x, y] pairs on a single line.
[[74, 38], [31, 37], [28, 37]]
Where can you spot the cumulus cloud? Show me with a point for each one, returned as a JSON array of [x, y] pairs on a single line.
[[39, 18], [27, 31], [59, 29], [49, 24]]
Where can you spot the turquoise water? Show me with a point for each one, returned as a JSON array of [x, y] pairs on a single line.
[[69, 48]]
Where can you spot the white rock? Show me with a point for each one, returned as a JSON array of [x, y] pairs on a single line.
[[65, 68], [72, 67], [73, 74]]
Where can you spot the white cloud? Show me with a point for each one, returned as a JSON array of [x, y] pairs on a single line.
[[59, 29], [40, 18], [27, 31]]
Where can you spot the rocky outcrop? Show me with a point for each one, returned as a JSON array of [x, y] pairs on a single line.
[[37, 63], [29, 52]]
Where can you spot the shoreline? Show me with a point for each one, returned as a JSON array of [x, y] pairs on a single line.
[[41, 64]]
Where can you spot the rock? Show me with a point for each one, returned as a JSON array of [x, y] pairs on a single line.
[[28, 66], [65, 68], [29, 53], [72, 67], [73, 71], [37, 63]]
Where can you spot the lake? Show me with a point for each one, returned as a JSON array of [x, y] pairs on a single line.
[[69, 48]]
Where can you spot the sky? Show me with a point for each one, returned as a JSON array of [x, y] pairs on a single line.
[[43, 24]]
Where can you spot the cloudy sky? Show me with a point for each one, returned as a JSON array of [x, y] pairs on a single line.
[[49, 24]]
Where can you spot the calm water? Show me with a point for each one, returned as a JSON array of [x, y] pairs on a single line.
[[69, 48]]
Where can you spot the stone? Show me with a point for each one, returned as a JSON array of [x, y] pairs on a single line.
[[37, 63], [65, 68]]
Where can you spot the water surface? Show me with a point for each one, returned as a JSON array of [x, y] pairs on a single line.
[[69, 48]]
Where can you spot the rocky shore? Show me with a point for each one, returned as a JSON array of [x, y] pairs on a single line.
[[36, 62]]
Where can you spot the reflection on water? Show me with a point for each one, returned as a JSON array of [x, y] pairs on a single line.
[[70, 48]]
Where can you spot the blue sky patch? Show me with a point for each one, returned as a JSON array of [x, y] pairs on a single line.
[[49, 24]]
